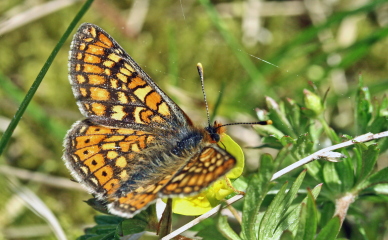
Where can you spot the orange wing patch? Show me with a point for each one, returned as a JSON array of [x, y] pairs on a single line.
[[109, 85], [102, 157], [135, 201]]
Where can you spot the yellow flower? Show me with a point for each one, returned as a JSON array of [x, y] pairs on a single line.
[[211, 196]]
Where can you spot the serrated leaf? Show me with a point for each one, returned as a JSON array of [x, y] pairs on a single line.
[[330, 230], [269, 221], [291, 220], [256, 191], [277, 209]]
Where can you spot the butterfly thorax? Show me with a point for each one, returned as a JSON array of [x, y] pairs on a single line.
[[192, 139]]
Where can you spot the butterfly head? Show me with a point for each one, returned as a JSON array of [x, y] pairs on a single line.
[[215, 131]]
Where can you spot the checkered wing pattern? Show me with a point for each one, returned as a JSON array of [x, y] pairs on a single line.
[[111, 89], [136, 144]]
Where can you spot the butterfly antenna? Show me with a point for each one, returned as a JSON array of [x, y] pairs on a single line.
[[200, 72], [268, 122]]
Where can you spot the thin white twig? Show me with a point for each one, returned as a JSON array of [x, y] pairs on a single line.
[[363, 138]]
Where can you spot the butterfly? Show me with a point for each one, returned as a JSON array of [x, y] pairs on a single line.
[[136, 144]]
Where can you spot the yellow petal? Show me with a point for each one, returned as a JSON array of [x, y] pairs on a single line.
[[233, 148]]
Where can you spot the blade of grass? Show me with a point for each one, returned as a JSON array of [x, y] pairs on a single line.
[[31, 92], [218, 101]]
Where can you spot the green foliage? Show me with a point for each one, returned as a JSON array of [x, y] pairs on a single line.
[[168, 50], [111, 227], [287, 217]]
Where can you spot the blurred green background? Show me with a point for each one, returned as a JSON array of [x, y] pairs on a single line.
[[249, 50]]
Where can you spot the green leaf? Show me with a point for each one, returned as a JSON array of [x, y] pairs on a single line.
[[304, 146], [287, 235], [330, 230], [107, 219], [293, 113], [256, 191], [287, 140], [277, 209], [131, 226], [279, 119], [315, 170], [327, 212], [331, 178], [272, 142], [211, 232], [308, 219], [224, 228], [291, 220], [383, 144], [378, 124], [363, 109], [368, 160], [345, 170], [376, 178]]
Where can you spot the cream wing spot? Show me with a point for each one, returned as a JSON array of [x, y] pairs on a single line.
[[141, 93], [119, 112]]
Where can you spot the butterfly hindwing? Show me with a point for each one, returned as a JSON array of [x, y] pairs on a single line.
[[102, 158], [201, 170]]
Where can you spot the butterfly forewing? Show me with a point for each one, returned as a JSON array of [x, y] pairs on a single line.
[[112, 89]]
